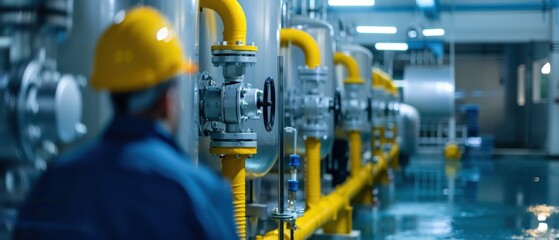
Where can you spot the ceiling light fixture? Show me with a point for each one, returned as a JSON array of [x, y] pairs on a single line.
[[433, 32], [350, 3], [387, 46]]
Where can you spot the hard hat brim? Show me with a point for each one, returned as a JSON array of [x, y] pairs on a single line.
[[190, 67]]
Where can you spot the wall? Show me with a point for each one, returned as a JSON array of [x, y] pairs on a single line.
[[478, 77], [523, 126]]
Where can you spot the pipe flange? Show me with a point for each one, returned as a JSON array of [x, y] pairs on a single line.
[[223, 57], [45, 108], [233, 136], [315, 130], [316, 75], [233, 144], [233, 140]]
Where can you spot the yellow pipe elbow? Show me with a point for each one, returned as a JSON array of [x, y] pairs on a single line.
[[377, 78], [355, 151], [304, 41], [312, 171], [234, 24], [352, 68]]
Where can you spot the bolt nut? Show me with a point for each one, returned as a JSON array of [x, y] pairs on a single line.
[[33, 132], [81, 129]]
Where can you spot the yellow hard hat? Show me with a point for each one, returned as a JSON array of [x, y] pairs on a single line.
[[140, 50]]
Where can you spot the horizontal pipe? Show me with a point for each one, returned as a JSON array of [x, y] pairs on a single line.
[[304, 41], [329, 205]]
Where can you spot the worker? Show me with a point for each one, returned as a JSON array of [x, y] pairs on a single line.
[[133, 182]]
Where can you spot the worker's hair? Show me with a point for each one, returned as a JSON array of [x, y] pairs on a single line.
[[140, 101]]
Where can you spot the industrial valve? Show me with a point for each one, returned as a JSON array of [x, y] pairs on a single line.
[[44, 108], [312, 107], [41, 106], [225, 108], [354, 108]]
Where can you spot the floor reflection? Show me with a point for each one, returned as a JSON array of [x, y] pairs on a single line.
[[503, 198]]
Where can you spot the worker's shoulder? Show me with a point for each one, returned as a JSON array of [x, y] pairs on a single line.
[[146, 158]]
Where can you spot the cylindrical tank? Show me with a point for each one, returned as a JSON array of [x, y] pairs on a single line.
[[408, 129], [263, 23], [430, 89], [364, 58], [294, 58], [91, 18]]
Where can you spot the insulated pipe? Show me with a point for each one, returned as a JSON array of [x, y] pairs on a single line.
[[233, 168], [312, 172], [352, 68], [304, 41], [234, 24], [393, 155], [330, 205], [355, 151]]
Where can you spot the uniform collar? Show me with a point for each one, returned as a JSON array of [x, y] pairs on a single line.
[[134, 127]]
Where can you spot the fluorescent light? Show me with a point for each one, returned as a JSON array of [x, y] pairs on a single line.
[[432, 32], [391, 46], [425, 3], [546, 69], [377, 29], [339, 3]]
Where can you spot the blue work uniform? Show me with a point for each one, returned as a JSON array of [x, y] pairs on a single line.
[[134, 183]]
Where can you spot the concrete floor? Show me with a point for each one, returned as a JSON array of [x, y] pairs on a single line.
[[509, 197]]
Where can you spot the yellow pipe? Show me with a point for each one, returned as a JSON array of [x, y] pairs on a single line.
[[394, 155], [329, 206], [304, 41], [234, 23], [352, 68], [312, 171], [233, 168], [355, 151]]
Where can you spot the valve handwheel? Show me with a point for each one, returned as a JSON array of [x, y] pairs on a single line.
[[336, 107], [268, 104]]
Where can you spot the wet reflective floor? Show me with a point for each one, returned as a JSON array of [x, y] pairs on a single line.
[[501, 198]]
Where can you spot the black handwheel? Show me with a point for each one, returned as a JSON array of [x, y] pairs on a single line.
[[336, 107], [268, 104]]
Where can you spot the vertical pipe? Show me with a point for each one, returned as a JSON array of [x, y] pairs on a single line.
[[312, 173], [355, 151], [233, 168], [281, 163]]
